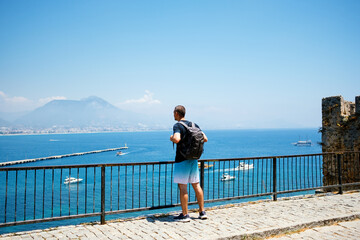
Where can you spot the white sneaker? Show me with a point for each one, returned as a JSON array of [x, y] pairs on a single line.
[[182, 218], [202, 215]]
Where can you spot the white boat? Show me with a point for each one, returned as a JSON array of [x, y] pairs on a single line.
[[227, 177], [244, 166], [70, 180], [303, 143], [120, 153]]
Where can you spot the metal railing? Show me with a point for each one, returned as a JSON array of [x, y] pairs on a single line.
[[39, 194]]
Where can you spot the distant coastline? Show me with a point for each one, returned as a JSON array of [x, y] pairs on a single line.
[[28, 132], [19, 132]]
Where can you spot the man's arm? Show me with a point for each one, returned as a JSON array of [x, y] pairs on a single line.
[[175, 138]]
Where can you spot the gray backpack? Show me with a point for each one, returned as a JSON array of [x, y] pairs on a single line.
[[193, 142]]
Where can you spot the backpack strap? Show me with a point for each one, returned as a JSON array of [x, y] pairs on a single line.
[[185, 125]]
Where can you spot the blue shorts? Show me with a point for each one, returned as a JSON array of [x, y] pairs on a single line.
[[186, 172]]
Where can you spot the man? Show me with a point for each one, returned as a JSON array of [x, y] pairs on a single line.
[[186, 171]]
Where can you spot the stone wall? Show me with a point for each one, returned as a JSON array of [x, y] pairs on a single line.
[[341, 133]]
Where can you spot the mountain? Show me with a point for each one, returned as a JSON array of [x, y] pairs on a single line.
[[89, 112], [12, 116]]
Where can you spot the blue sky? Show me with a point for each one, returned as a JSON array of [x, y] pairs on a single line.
[[233, 64]]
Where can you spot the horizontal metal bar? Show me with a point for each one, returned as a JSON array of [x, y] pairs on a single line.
[[163, 162], [84, 166], [9, 224], [342, 185], [350, 184], [298, 190], [277, 157], [321, 187], [235, 198], [140, 209]]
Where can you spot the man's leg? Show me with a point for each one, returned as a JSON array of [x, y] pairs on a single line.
[[184, 198], [199, 195]]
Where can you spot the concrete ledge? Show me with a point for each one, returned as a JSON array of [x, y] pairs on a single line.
[[296, 227]]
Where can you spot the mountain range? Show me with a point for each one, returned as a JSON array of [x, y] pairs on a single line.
[[91, 112]]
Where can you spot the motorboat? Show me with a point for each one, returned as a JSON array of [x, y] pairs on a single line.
[[70, 180], [119, 153], [303, 143], [227, 177], [244, 166]]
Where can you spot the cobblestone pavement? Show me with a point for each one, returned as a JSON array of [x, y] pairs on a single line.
[[322, 217]]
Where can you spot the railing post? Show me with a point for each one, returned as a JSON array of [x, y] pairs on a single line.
[[339, 172], [102, 218], [274, 180], [202, 167]]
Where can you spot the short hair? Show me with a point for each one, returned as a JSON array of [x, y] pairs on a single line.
[[180, 110]]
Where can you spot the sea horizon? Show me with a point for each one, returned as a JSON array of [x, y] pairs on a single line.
[[157, 130]]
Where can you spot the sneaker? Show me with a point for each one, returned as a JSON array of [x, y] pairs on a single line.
[[182, 218], [202, 215]]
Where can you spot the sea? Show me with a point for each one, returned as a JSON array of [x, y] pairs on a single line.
[[151, 146]]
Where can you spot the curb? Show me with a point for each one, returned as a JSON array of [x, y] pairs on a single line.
[[282, 230]]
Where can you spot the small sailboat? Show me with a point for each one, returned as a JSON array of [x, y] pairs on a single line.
[[70, 180]]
